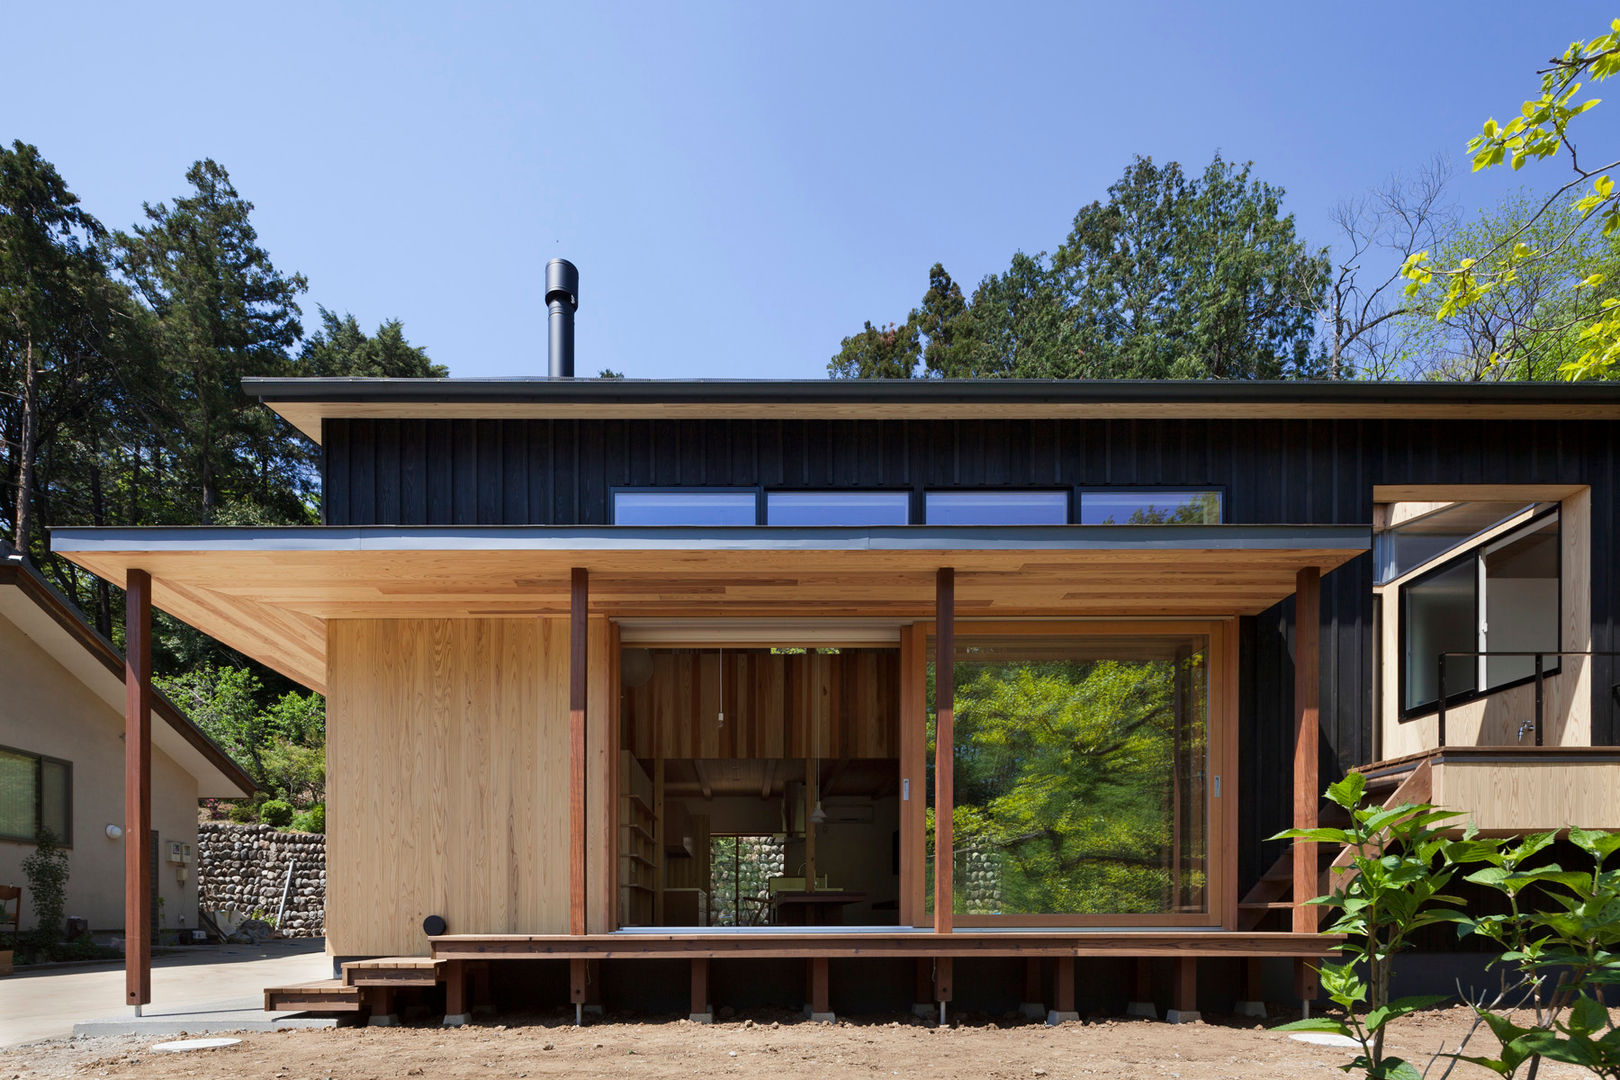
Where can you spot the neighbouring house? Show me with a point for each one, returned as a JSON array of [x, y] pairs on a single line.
[[62, 761], [636, 682]]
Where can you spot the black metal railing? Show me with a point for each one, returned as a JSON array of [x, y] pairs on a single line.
[[1539, 678]]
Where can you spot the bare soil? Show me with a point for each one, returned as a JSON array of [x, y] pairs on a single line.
[[752, 1045]]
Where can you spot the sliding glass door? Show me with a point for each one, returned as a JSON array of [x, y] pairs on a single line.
[[1082, 779]]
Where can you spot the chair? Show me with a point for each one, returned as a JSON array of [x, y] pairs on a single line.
[[13, 916]]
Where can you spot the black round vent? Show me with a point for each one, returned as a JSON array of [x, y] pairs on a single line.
[[433, 925]]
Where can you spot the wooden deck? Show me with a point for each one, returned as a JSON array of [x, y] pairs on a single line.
[[920, 944]]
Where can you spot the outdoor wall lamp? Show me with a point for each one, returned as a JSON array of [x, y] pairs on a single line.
[[114, 832]]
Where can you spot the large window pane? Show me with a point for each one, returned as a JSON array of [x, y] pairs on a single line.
[[1079, 779], [997, 507], [54, 812], [1440, 616], [17, 795], [851, 508], [693, 506], [1150, 507], [1521, 602], [1407, 546]]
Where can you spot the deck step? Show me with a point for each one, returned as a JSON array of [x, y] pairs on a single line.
[[393, 971], [325, 995]]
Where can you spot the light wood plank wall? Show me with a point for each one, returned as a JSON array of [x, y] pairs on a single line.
[[1494, 720], [447, 783], [776, 705]]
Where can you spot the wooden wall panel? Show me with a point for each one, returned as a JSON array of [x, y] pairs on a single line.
[[845, 704], [447, 782]]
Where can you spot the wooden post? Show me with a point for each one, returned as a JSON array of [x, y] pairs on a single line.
[[809, 826], [1063, 989], [1032, 981], [1307, 700], [457, 1010], [944, 750], [700, 988], [577, 688], [942, 978], [578, 980], [1184, 1006], [819, 1009], [138, 789]]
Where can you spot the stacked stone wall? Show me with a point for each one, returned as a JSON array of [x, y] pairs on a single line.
[[245, 867]]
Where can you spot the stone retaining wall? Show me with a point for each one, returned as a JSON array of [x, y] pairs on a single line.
[[245, 867]]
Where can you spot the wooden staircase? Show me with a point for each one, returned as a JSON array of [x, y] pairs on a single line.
[[367, 986], [1270, 903]]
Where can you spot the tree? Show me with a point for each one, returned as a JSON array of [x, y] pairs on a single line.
[[1543, 130], [341, 348], [218, 311], [1525, 327], [1367, 334], [55, 314], [1170, 277]]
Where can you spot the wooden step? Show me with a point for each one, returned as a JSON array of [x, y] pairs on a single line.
[[393, 971], [325, 995]]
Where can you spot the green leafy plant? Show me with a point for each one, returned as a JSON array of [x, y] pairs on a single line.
[[46, 869], [1394, 886], [276, 812]]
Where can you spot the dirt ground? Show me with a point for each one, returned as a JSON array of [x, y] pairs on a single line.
[[750, 1045]]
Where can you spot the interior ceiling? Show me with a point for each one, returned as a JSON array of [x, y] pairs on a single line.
[[272, 603], [765, 778]]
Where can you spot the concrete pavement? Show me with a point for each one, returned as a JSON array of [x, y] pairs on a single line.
[[229, 979]]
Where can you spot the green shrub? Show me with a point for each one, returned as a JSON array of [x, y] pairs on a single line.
[[276, 813], [241, 813], [46, 869], [312, 820]]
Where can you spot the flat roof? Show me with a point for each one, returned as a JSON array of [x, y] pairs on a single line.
[[268, 592], [307, 402]]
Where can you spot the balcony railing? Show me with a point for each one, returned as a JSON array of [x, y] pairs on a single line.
[[1539, 679]]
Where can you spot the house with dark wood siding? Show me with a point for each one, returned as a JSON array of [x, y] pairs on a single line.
[[634, 687]]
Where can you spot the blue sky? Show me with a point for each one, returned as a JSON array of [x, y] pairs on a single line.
[[740, 185]]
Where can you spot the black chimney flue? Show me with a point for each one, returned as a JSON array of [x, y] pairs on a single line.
[[562, 300]]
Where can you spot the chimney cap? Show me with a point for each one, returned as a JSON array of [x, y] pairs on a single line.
[[562, 276]]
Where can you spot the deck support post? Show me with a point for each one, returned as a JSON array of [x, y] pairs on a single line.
[[1253, 1002], [593, 988], [1307, 782], [1141, 1003], [381, 1002], [1184, 999], [456, 1009], [1033, 1006], [578, 682], [816, 976], [942, 984], [482, 1000], [701, 1011], [944, 747], [922, 1001], [138, 789], [1062, 991]]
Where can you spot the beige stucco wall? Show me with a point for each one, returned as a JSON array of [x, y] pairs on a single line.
[[45, 710]]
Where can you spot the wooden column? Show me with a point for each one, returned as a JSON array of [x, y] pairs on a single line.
[[578, 980], [700, 986], [1063, 986], [1307, 702], [817, 976], [944, 740], [138, 789], [577, 687], [457, 1007], [1185, 995]]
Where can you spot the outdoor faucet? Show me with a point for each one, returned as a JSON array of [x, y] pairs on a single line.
[[1524, 726]]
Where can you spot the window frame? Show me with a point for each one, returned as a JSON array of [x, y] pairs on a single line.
[[66, 839], [1071, 500], [1077, 503], [687, 489], [909, 494], [1479, 545]]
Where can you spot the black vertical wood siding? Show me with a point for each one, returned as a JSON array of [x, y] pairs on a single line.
[[561, 472]]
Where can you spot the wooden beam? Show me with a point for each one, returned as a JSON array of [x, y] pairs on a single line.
[[832, 775], [1307, 705], [703, 779], [944, 739], [768, 781], [578, 676], [138, 788]]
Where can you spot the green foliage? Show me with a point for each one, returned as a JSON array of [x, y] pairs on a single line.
[[1171, 277], [340, 347], [1062, 783], [312, 820], [277, 813], [242, 813], [1558, 935], [46, 870], [1541, 130]]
